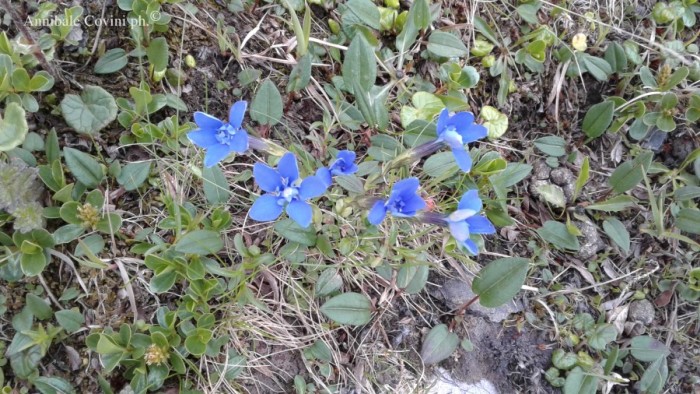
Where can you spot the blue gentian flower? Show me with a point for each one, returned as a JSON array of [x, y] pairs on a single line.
[[220, 138], [344, 164], [458, 130], [465, 221], [285, 189], [403, 201]]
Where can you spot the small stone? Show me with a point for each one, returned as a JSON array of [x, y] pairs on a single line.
[[592, 243], [641, 311], [562, 176], [541, 170]]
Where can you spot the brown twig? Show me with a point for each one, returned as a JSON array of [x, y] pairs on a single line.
[[36, 49]]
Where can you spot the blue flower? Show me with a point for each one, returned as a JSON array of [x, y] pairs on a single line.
[[403, 201], [465, 221], [285, 189], [220, 138], [458, 130], [344, 164]]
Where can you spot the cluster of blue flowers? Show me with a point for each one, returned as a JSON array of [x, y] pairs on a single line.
[[286, 191]]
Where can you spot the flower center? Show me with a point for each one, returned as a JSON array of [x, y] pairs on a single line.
[[398, 206], [289, 193], [452, 137], [225, 134]]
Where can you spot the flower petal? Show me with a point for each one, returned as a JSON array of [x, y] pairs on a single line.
[[377, 213], [312, 187], [463, 159], [347, 156], [236, 113], [265, 208], [301, 212], [473, 133], [412, 204], [239, 142], [287, 167], [206, 121], [267, 178], [471, 247], [203, 138], [459, 230], [480, 224], [406, 186], [215, 153], [442, 121], [471, 200], [461, 121], [325, 175]]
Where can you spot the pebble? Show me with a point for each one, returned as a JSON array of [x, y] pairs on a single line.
[[592, 243], [455, 293], [641, 311]]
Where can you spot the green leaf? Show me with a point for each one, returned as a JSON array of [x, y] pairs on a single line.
[[615, 204], [13, 127], [443, 44], [615, 56], [581, 179], [362, 12], [300, 75], [84, 167], [514, 173], [648, 349], [359, 65], [654, 377], [328, 282], [563, 360], [597, 67], [598, 119], [500, 281], [528, 12], [601, 335], [412, 278], [196, 341], [348, 308], [557, 234], [687, 193], [38, 307], [267, 104], [351, 183], [70, 319], [134, 175], [579, 382], [157, 53], [647, 77], [88, 113], [495, 122], [483, 27], [439, 344], [551, 145], [42, 81], [618, 233], [290, 230], [630, 173], [112, 61], [216, 187], [200, 242], [688, 220], [440, 165], [52, 385]]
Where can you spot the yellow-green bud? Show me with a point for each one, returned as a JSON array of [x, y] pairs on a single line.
[[488, 61], [190, 62], [334, 26], [392, 3]]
